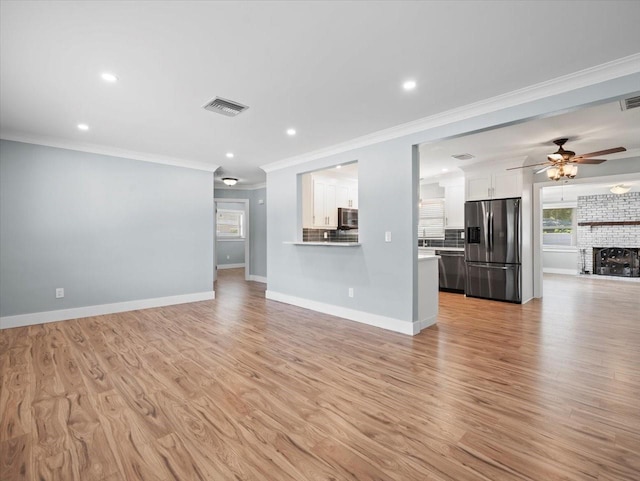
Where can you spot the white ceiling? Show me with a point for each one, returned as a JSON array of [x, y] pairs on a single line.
[[332, 70], [588, 130]]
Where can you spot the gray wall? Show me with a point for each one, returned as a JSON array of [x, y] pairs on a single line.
[[106, 229], [257, 225], [565, 260], [384, 275], [230, 251]]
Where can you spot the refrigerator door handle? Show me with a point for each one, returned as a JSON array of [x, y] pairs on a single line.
[[487, 237], [490, 222], [491, 266]]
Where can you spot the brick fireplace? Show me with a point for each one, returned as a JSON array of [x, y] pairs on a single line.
[[616, 261], [609, 233]]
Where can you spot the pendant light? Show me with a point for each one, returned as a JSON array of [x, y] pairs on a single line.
[[620, 189]]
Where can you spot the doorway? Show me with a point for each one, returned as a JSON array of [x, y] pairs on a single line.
[[584, 222], [232, 235]]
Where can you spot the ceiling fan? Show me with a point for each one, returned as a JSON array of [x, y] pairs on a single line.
[[564, 163]]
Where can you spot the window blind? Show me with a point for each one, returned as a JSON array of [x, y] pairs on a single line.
[[431, 219]]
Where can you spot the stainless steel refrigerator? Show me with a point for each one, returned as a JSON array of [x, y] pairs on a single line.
[[493, 249]]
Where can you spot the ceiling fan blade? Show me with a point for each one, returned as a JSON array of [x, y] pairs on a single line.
[[589, 161], [544, 169], [530, 165], [601, 152]]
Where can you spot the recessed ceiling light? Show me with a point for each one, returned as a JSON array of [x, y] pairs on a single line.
[[338, 166], [291, 131], [445, 170], [83, 127], [409, 85], [109, 77], [230, 155]]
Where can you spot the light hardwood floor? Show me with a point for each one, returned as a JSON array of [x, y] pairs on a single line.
[[242, 388]]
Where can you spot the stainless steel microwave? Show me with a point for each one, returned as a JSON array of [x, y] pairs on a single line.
[[347, 218]]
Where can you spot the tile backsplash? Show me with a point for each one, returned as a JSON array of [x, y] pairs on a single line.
[[452, 238], [317, 235]]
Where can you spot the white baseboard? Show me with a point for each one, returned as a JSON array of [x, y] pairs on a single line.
[[88, 311], [553, 270], [389, 323], [230, 266], [258, 279]]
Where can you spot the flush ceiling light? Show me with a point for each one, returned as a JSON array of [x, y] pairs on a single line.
[[230, 155], [109, 77], [291, 131], [338, 166], [620, 189], [445, 170], [83, 127], [230, 181], [409, 85]]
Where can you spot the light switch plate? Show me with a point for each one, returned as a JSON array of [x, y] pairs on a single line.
[[387, 236], [59, 292]]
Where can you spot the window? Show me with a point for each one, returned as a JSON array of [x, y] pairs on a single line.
[[559, 226], [431, 220], [230, 224]]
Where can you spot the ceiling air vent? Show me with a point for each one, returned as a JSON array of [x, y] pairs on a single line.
[[630, 103], [463, 156], [225, 107]]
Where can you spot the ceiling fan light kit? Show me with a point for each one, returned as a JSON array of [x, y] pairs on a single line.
[[569, 171], [562, 163]]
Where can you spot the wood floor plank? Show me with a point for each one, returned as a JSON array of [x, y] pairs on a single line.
[[243, 388], [90, 451], [15, 404], [16, 459]]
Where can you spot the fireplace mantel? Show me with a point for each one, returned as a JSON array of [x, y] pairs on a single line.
[[611, 222]]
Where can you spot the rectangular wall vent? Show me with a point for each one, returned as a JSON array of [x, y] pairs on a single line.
[[463, 156], [225, 107], [630, 103]]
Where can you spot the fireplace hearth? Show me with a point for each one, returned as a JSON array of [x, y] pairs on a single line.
[[616, 261]]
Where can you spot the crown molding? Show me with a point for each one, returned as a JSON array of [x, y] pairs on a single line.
[[583, 78], [263, 185], [106, 150]]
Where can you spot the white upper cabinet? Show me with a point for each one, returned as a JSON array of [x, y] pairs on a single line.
[[353, 197], [328, 195], [497, 185], [342, 196], [325, 211], [454, 206], [507, 184], [321, 198], [307, 202]]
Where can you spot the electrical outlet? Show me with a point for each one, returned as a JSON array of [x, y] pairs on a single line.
[[387, 236], [261, 201], [351, 292], [462, 235], [59, 292], [326, 235]]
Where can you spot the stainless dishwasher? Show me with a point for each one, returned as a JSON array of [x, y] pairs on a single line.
[[452, 270]]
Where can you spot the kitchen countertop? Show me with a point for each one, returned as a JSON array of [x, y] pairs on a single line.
[[427, 257], [457, 249], [326, 244]]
